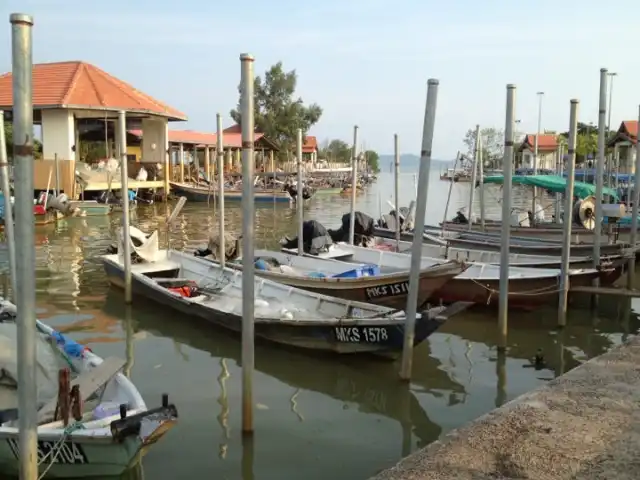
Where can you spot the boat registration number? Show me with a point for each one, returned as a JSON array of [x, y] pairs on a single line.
[[389, 290], [361, 334], [67, 453]]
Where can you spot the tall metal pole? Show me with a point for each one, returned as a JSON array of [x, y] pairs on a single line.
[[354, 183], [602, 112], [220, 155], [8, 208], [248, 214], [396, 187], [299, 196], [568, 214], [474, 167], [634, 216], [558, 196], [611, 75], [481, 181], [124, 194], [507, 166], [421, 209], [535, 155], [22, 68]]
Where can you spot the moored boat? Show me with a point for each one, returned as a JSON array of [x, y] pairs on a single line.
[[197, 193], [108, 426], [516, 259], [283, 315], [360, 282], [480, 282]]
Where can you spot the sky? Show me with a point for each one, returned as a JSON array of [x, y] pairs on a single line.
[[365, 62]]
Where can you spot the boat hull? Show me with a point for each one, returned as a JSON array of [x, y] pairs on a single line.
[[377, 337], [524, 293], [387, 292], [202, 194]]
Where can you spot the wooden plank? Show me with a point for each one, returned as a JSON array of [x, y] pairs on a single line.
[[618, 292], [89, 382]]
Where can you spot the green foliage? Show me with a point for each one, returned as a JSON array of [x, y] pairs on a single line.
[[492, 145], [586, 141], [373, 160], [335, 151], [278, 113], [8, 137], [91, 152]]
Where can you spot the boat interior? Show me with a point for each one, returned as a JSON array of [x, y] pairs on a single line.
[[202, 282]]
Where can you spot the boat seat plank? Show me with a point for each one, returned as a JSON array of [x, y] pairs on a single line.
[[89, 383]]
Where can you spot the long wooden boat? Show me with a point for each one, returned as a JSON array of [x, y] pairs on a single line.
[[196, 193], [480, 283], [492, 244], [330, 278], [539, 231], [515, 259], [283, 314], [113, 428]]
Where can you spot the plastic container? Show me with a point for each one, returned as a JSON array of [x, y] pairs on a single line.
[[105, 410], [360, 271]]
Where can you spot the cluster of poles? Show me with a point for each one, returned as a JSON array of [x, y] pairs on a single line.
[[22, 254]]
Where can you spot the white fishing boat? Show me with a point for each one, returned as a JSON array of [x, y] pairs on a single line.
[[483, 256], [480, 282], [284, 315], [108, 425]]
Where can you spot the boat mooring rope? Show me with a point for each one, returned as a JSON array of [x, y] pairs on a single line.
[[57, 448], [537, 291]]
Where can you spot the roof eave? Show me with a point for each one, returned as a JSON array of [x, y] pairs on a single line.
[[179, 117]]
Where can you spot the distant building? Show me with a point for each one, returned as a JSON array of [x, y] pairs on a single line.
[[547, 151], [623, 144]]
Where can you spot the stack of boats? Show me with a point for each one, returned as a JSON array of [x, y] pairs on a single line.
[[350, 298]]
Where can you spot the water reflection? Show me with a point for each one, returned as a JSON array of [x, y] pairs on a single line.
[[344, 418], [372, 388]]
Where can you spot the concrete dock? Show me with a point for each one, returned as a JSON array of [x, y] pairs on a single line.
[[582, 425]]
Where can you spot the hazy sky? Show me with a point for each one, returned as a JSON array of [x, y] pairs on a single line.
[[365, 62]]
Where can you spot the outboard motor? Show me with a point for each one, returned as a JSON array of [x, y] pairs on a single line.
[[315, 238], [460, 218]]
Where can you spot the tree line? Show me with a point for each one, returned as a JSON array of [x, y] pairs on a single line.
[[8, 138], [279, 112], [493, 143]]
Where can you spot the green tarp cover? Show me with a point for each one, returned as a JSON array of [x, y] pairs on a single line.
[[553, 183]]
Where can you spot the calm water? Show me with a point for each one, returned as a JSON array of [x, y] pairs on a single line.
[[314, 419]]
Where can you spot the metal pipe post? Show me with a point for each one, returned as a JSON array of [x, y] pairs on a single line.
[[507, 168], [481, 183], [299, 197], [631, 273], [568, 214], [181, 158], [602, 113], [421, 209], [354, 183], [56, 165], [124, 194], [558, 196], [396, 187], [22, 68], [8, 208], [535, 156], [474, 166], [248, 214], [220, 155]]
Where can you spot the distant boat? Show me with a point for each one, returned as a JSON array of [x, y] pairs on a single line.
[[195, 193]]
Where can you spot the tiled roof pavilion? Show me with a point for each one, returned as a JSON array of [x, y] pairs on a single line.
[[78, 85]]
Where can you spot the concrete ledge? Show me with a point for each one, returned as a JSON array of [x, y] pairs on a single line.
[[582, 425]]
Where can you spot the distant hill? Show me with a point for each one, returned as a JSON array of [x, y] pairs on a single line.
[[408, 161]]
